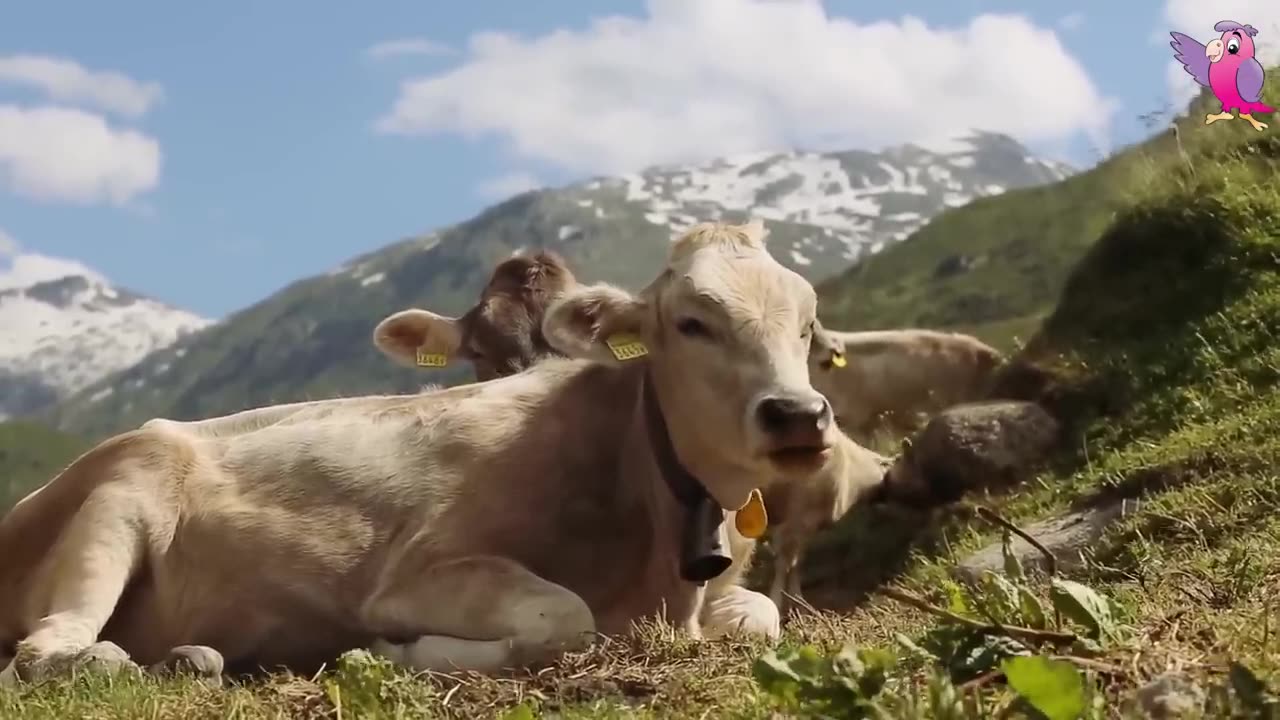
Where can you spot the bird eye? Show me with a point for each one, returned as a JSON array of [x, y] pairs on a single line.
[[1233, 46], [692, 327]]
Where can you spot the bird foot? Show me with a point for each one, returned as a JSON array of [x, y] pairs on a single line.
[[1212, 118], [1256, 125]]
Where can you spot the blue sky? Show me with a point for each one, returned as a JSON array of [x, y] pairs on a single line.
[[273, 163]]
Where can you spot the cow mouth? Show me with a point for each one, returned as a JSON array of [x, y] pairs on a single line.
[[800, 457]]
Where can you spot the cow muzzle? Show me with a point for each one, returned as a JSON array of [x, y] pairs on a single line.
[[796, 428]]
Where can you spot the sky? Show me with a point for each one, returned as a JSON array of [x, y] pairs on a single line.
[[211, 154]]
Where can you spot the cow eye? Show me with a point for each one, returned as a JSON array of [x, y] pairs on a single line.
[[808, 331], [692, 327]]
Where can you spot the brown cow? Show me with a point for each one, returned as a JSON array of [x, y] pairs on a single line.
[[500, 335], [494, 524]]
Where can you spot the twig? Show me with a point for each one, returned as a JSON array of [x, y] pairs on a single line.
[[1089, 664], [993, 517], [1013, 631], [981, 680]]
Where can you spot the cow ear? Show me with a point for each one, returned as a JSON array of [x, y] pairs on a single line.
[[418, 338], [596, 322]]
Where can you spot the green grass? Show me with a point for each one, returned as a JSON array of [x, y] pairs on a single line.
[[31, 454], [1160, 348]]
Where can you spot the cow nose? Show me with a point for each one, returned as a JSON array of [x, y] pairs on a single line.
[[781, 415]]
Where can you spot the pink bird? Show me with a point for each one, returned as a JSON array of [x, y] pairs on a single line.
[[1227, 67]]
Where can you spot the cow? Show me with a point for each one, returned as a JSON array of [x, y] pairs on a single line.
[[502, 335], [886, 379], [477, 528], [881, 379]]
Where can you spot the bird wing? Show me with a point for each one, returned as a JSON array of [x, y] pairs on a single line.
[[1188, 51], [1249, 80]]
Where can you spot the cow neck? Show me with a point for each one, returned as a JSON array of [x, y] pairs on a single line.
[[702, 555]]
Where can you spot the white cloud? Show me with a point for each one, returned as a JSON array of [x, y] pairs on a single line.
[[8, 245], [407, 46], [66, 81], [26, 269], [700, 79], [61, 154], [1071, 21], [1197, 18], [505, 186]]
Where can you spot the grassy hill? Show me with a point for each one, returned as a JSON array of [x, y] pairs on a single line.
[[1161, 351], [30, 455], [996, 266]]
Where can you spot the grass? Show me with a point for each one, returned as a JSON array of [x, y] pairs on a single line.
[[30, 454], [1161, 353]]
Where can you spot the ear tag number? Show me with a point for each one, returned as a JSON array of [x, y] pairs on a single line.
[[626, 346]]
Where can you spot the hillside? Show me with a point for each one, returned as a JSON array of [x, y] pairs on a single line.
[[66, 326], [30, 455], [996, 266], [312, 339]]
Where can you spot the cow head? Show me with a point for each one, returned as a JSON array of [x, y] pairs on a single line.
[[726, 331], [500, 335]]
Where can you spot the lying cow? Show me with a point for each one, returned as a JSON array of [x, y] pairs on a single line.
[[502, 335], [874, 379], [488, 525], [885, 379]]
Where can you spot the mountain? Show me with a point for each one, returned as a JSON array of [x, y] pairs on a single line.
[[65, 327], [312, 339]]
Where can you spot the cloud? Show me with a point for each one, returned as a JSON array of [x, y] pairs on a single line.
[[61, 154], [1071, 21], [505, 186], [26, 269], [67, 81], [1197, 18], [8, 245], [695, 80], [407, 46]]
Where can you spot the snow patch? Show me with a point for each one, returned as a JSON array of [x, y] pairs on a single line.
[[372, 279]]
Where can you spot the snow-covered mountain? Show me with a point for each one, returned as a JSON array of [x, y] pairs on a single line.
[[64, 326], [857, 200]]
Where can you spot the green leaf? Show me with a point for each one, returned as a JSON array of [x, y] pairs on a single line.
[[1031, 609], [1053, 687], [519, 712], [1081, 604], [1012, 565]]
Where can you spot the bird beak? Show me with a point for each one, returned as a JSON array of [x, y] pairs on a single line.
[[1213, 50]]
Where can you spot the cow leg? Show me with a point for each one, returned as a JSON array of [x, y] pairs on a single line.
[[737, 610], [478, 613], [86, 574]]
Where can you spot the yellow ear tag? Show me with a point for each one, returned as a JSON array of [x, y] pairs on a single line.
[[426, 359], [626, 346], [838, 360], [751, 520]]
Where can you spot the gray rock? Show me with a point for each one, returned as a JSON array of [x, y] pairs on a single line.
[[972, 447], [1064, 536], [1169, 696]]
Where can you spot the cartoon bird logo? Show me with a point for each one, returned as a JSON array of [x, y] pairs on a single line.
[[1227, 67]]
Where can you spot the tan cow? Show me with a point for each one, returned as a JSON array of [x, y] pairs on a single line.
[[494, 524], [502, 335], [874, 380], [890, 377]]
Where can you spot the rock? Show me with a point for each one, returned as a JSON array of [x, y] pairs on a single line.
[[1169, 696], [1064, 536], [972, 447]]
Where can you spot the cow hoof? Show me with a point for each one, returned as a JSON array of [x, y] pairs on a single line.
[[200, 661], [105, 657]]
